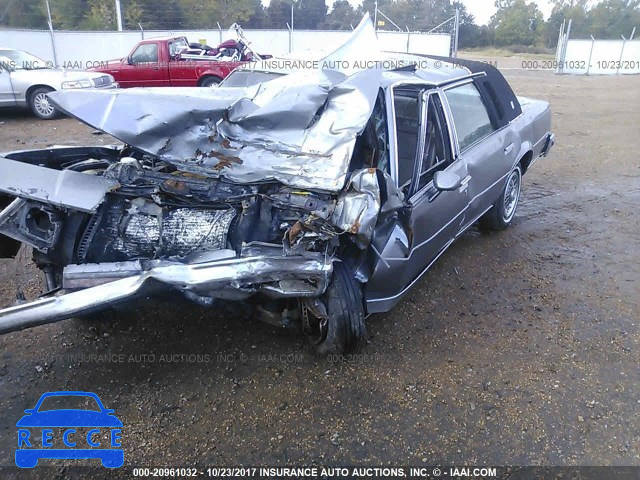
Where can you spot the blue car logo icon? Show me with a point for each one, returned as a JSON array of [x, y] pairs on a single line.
[[36, 436]]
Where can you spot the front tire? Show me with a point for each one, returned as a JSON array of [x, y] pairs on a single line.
[[40, 105], [501, 214], [342, 330]]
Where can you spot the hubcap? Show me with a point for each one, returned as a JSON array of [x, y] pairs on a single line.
[[511, 195], [41, 102]]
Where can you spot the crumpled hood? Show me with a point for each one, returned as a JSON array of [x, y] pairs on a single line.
[[298, 129]]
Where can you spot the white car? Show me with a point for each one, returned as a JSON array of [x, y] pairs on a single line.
[[25, 81]]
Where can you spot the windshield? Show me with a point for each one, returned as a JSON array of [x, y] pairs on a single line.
[[19, 60], [66, 402], [247, 78]]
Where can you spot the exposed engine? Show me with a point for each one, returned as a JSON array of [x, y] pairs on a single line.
[[158, 212]]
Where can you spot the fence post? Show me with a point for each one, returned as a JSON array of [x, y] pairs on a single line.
[[559, 46], [408, 39], [118, 15], [624, 42], [53, 40], [290, 30], [593, 41], [456, 26], [375, 16], [565, 43]]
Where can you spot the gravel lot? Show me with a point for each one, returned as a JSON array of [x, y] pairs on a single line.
[[517, 348]]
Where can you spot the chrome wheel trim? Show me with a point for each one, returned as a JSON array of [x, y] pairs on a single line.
[[42, 105], [511, 196]]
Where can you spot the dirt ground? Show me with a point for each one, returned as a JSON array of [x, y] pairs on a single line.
[[517, 348]]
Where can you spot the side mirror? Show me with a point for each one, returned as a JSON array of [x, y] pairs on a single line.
[[446, 181], [129, 60]]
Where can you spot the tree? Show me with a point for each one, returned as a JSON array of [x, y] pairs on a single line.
[[309, 14], [101, 16], [23, 14], [132, 14], [517, 23], [341, 17], [207, 14], [563, 10], [258, 18], [612, 18]]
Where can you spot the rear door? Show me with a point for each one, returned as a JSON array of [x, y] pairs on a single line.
[[488, 152]]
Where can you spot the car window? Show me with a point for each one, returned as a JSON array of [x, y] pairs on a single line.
[[437, 151], [147, 53], [177, 46], [66, 402], [407, 111], [19, 60], [470, 115]]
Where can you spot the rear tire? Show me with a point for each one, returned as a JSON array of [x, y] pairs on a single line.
[[40, 105], [503, 211], [344, 330], [211, 81]]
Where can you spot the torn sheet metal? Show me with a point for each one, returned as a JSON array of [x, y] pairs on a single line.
[[298, 129], [66, 188], [359, 206]]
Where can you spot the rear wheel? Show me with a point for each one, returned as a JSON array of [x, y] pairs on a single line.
[[40, 105], [335, 323], [504, 210], [210, 81]]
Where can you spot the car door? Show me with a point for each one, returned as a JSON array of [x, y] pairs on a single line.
[[488, 153], [436, 216], [143, 68], [182, 72], [7, 96], [431, 218]]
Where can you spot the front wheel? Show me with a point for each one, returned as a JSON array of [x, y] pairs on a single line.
[[501, 214], [335, 324], [40, 104]]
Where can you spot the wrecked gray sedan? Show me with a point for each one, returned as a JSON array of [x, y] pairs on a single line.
[[319, 196]]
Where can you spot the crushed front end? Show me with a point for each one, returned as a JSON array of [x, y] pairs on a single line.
[[262, 194]]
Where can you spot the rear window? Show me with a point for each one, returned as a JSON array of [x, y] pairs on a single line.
[[470, 115]]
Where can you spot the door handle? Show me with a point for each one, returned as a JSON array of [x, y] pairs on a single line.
[[508, 149], [464, 184]]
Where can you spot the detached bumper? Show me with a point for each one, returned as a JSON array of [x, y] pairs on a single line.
[[260, 268]]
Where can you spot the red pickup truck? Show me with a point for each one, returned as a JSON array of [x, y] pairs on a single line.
[[173, 62]]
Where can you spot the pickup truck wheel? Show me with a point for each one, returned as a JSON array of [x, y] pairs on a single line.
[[40, 105], [501, 214], [210, 81], [336, 325]]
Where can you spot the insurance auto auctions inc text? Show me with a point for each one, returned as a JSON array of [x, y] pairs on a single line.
[[349, 472]]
